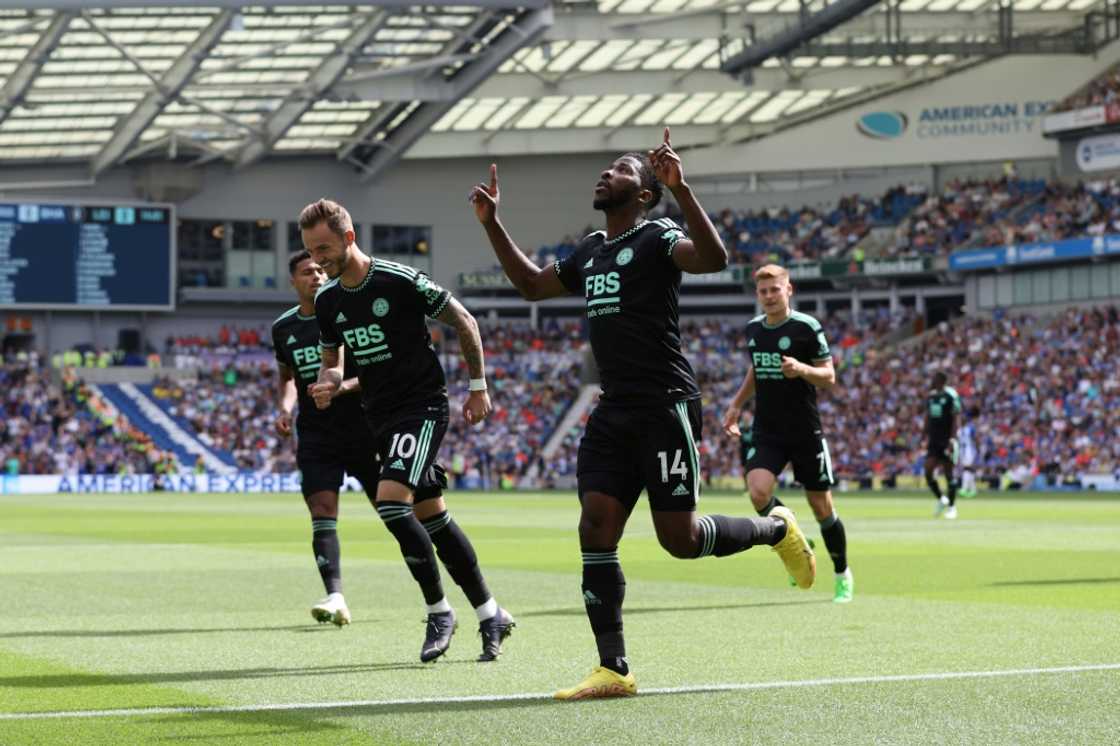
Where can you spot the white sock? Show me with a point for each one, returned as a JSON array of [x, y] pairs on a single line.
[[846, 574], [439, 607], [487, 610]]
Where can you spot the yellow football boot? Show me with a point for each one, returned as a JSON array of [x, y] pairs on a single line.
[[795, 551], [600, 684]]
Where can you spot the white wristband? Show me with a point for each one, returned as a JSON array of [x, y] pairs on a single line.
[[478, 384]]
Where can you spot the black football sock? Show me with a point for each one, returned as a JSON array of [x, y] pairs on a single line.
[[952, 490], [722, 536], [458, 556], [774, 503], [324, 544], [832, 530], [416, 547], [934, 487], [604, 588]]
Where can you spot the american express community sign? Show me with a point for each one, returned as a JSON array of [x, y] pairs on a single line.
[[999, 118]]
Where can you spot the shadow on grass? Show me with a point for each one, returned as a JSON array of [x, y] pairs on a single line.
[[639, 610], [60, 681], [1055, 581], [300, 628]]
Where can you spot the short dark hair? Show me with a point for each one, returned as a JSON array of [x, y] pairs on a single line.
[[326, 211], [939, 378], [649, 178], [295, 259]]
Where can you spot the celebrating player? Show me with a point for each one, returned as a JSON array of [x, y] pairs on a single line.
[[377, 310], [644, 431], [790, 359], [331, 442]]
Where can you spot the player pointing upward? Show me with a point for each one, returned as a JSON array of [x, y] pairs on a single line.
[[643, 433]]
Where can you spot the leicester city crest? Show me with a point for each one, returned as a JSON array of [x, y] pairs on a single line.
[[783, 343], [380, 307], [624, 256]]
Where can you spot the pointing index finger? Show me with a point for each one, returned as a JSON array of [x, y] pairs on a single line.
[[666, 135], [493, 175]]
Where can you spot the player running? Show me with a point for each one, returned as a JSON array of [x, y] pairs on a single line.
[[377, 310], [790, 359], [643, 432], [942, 407], [331, 442]]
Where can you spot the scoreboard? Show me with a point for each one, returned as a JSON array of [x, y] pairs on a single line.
[[87, 257]]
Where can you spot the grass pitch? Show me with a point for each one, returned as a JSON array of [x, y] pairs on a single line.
[[175, 602]]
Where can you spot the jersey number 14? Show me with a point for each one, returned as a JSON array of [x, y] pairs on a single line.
[[678, 469]]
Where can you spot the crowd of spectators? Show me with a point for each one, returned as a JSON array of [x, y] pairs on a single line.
[[917, 223], [962, 214], [1101, 91], [232, 408], [65, 428], [1064, 211], [1042, 396]]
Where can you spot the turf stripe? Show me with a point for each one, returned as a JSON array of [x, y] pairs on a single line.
[[691, 689]]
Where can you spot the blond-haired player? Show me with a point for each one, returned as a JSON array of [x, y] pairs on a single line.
[[790, 360]]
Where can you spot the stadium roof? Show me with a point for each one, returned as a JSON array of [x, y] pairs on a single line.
[[367, 83]]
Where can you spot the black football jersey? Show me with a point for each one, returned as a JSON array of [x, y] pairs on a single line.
[[382, 324], [295, 340], [632, 290], [942, 407], [785, 407]]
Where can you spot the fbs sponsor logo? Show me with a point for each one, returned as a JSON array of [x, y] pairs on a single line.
[[882, 125]]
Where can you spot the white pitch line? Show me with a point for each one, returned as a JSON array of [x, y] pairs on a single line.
[[540, 696]]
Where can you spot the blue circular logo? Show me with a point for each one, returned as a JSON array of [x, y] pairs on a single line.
[[625, 256], [882, 125], [783, 343], [380, 307]]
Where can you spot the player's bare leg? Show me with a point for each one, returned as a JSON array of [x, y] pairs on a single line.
[[761, 484]]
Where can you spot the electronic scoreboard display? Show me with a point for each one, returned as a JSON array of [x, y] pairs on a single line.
[[88, 256]]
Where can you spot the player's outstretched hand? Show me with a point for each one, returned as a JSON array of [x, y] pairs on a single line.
[[730, 422], [485, 197], [477, 407], [284, 425], [667, 164], [791, 367], [322, 393]]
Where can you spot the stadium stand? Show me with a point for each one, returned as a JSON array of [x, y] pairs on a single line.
[[68, 428], [963, 214], [1100, 91]]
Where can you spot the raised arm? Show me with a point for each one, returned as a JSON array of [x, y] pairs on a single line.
[[533, 282], [703, 251], [477, 406]]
